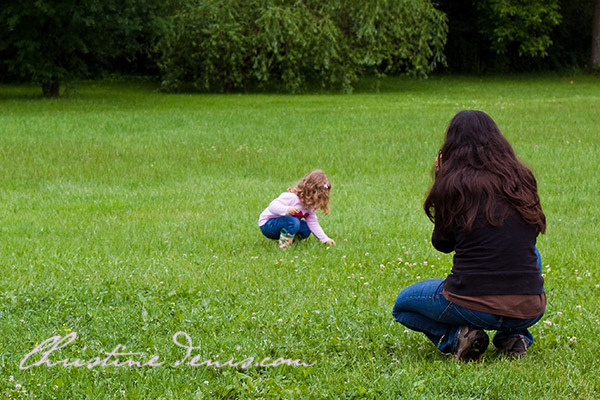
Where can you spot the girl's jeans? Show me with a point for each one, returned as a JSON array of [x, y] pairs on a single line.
[[292, 225], [422, 307]]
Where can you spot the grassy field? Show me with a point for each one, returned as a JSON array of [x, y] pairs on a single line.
[[128, 216]]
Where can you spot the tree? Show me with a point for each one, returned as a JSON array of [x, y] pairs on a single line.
[[525, 23], [596, 37], [52, 41], [486, 35], [223, 45]]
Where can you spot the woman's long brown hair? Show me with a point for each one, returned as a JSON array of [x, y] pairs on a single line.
[[477, 164]]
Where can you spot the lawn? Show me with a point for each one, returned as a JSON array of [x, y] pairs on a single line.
[[129, 215]]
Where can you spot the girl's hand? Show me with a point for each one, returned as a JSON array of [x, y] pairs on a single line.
[[292, 211], [331, 242]]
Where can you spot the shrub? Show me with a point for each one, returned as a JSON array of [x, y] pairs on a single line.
[[224, 45]]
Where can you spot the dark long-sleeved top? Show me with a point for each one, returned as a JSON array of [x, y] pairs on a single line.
[[492, 260]]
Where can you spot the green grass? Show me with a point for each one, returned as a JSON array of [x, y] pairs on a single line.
[[129, 215]]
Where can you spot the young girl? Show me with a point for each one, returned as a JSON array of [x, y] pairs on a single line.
[[293, 213], [485, 207]]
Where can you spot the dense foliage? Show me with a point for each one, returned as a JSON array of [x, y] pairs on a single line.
[[229, 45], [48, 42], [526, 23], [224, 45], [497, 35]]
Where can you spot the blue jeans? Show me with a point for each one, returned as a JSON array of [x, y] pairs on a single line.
[[539, 258], [293, 226], [422, 308]]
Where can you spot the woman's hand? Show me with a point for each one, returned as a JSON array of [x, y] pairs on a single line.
[[438, 162]]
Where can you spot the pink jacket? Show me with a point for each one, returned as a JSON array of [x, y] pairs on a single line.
[[279, 207]]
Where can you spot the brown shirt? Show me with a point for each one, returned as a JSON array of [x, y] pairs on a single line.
[[523, 306]]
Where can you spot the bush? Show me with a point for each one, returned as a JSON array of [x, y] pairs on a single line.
[[516, 36], [53, 42], [225, 45]]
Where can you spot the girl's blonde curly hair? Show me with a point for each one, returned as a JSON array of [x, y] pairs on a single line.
[[313, 190]]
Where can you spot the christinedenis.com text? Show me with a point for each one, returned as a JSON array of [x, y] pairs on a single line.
[[47, 354]]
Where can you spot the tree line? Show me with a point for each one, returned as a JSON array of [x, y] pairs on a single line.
[[233, 45]]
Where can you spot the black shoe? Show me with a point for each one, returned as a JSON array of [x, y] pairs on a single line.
[[514, 347], [472, 343]]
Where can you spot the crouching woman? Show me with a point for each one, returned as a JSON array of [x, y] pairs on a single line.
[[485, 207]]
